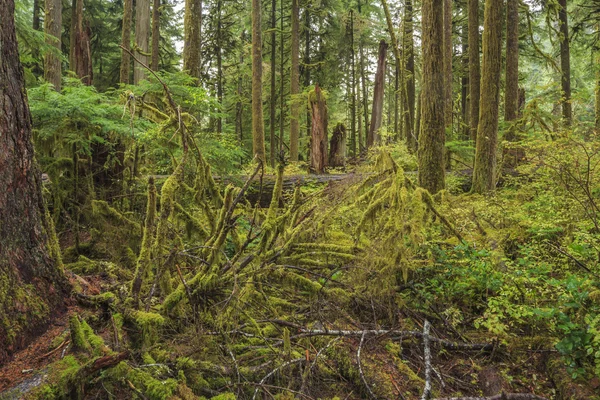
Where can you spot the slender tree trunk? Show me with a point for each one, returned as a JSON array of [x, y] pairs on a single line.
[[353, 89], [273, 95], [82, 55], [474, 67], [52, 28], [258, 133], [432, 136], [239, 107], [448, 65], [32, 286], [282, 110], [418, 120], [126, 41], [318, 150], [337, 146], [73, 35], [307, 62], [365, 103], [219, 65], [597, 56], [511, 97], [142, 31], [565, 62], [36, 15], [484, 173], [155, 35], [192, 26], [464, 94], [295, 82], [409, 53], [377, 111]]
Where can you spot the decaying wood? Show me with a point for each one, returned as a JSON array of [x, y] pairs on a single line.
[[501, 396], [318, 148]]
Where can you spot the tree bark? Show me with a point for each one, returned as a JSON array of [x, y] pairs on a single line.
[[295, 82], [155, 35], [52, 28], [432, 136], [219, 55], [597, 109], [565, 62], [353, 89], [474, 67], [82, 55], [337, 146], [126, 42], [142, 31], [318, 150], [377, 111], [484, 172], [273, 94], [511, 97], [409, 54], [448, 106], [32, 286], [258, 134], [192, 30]]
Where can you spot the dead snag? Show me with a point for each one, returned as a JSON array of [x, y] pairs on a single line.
[[318, 150], [337, 146]]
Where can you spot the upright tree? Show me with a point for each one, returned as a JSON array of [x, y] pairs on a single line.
[[258, 134], [52, 28], [448, 65], [565, 62], [142, 35], [81, 55], [409, 55], [273, 94], [155, 35], [474, 67], [318, 142], [511, 97], [192, 29], [32, 286], [484, 172], [295, 82], [126, 41], [378, 91], [432, 135]]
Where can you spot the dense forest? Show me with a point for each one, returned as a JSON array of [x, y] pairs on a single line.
[[300, 199]]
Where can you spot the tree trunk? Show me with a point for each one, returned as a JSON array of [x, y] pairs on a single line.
[[219, 65], [258, 134], [377, 111], [155, 35], [511, 97], [32, 286], [484, 172], [337, 146], [409, 54], [307, 62], [474, 67], [464, 92], [273, 95], [432, 136], [282, 110], [142, 31], [192, 30], [82, 55], [318, 150], [295, 82], [126, 41], [448, 65], [363, 79], [353, 89], [597, 56], [52, 28], [565, 62]]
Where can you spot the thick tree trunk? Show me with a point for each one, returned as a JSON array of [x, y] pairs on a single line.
[[142, 32], [409, 54], [432, 136], [126, 41], [258, 134], [318, 149], [52, 28], [82, 55], [32, 287], [219, 55], [155, 35], [273, 94], [192, 30], [295, 82], [511, 97], [484, 172], [474, 67], [565, 62], [377, 111], [353, 89], [337, 146]]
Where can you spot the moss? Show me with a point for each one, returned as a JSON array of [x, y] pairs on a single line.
[[148, 323], [95, 341], [78, 339], [224, 396]]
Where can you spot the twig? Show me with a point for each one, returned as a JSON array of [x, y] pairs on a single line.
[[263, 380], [501, 396], [362, 376], [56, 349], [427, 355]]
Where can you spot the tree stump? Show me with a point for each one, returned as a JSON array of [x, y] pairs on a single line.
[[318, 153], [337, 146]]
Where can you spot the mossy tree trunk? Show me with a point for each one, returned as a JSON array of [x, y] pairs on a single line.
[[353, 90], [295, 82], [484, 172], [337, 146], [273, 94], [448, 106], [565, 62], [318, 149], [52, 28], [378, 90], [511, 96], [142, 32], [155, 35], [409, 54], [258, 134], [432, 136], [597, 56], [126, 42], [474, 67], [32, 286], [192, 30]]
